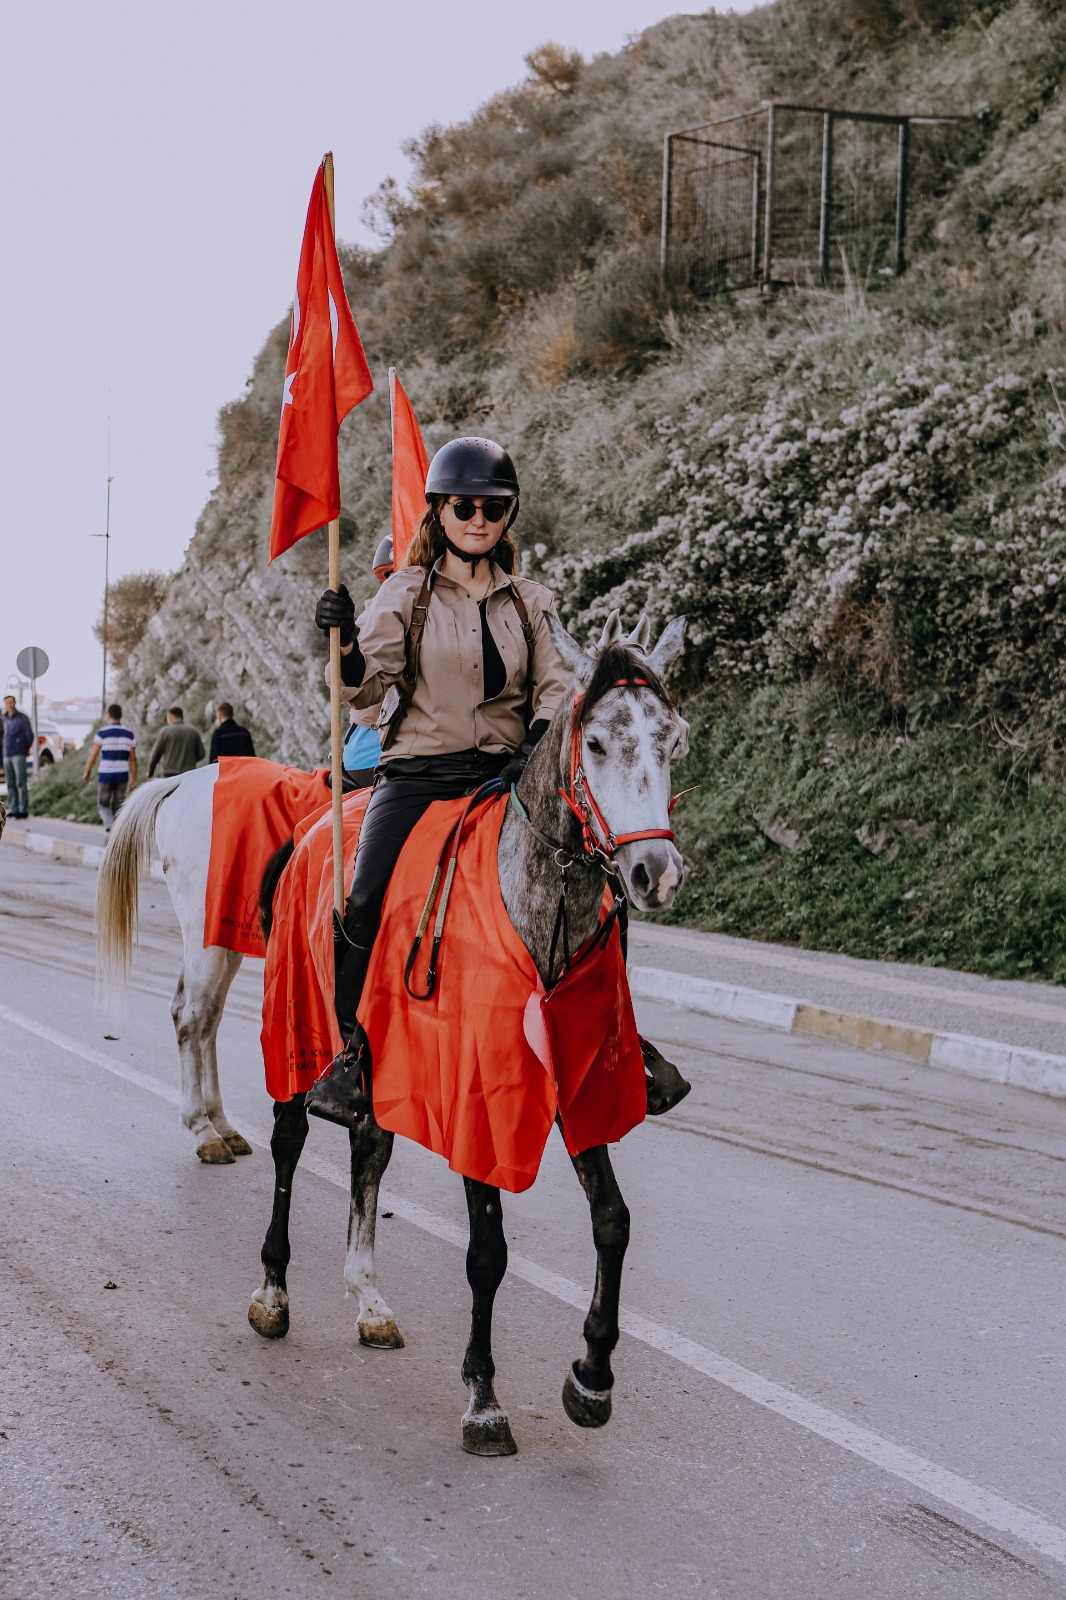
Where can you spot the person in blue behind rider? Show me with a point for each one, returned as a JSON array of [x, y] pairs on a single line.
[[362, 743]]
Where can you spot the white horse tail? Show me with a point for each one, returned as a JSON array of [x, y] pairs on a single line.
[[128, 854]]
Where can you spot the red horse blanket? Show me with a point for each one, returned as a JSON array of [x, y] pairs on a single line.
[[254, 810], [300, 1036], [479, 1071]]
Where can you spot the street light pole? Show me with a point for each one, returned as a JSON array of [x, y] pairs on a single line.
[[106, 537], [107, 578]]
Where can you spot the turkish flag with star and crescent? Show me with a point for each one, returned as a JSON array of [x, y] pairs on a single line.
[[326, 376]]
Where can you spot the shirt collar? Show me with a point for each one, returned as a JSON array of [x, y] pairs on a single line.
[[500, 579]]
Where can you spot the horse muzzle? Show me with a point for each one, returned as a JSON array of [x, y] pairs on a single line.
[[652, 872]]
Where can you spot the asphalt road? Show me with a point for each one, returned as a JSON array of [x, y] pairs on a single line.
[[842, 1373]]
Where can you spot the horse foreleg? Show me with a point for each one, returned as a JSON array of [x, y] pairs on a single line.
[[269, 1310], [587, 1390], [486, 1431], [238, 1144], [371, 1151]]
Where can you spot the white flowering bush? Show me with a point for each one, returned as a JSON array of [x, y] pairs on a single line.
[[775, 527]]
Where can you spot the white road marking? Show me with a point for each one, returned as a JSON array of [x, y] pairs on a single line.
[[985, 1505]]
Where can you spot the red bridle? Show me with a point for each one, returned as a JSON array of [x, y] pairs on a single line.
[[582, 802]]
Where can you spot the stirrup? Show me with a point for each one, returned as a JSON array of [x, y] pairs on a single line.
[[340, 1094], [665, 1085]]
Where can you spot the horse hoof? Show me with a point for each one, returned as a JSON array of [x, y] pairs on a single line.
[[381, 1335], [488, 1435], [238, 1145], [587, 1408], [270, 1321], [215, 1153]]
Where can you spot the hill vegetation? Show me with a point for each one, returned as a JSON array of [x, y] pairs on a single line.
[[859, 498]]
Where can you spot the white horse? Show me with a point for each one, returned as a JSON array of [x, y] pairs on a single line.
[[174, 814]]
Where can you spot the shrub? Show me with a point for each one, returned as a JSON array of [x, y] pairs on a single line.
[[878, 544], [132, 602]]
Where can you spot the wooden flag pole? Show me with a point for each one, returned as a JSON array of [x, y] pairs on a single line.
[[335, 745]]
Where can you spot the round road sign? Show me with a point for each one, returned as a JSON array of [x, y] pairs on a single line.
[[32, 662]]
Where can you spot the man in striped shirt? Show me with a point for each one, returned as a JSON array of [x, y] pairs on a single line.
[[117, 750]]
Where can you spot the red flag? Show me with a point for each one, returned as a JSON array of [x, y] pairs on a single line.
[[410, 463], [326, 375]]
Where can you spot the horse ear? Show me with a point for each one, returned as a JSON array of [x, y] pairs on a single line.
[[638, 639], [575, 661], [612, 632], [670, 645]]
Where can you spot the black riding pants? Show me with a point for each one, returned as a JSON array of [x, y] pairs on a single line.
[[403, 792]]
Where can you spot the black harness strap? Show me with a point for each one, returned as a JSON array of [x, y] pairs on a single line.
[[405, 687]]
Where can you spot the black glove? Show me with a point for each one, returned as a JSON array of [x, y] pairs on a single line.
[[517, 764], [336, 609]]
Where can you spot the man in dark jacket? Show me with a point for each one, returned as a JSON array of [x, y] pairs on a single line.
[[18, 742], [229, 738], [177, 749]]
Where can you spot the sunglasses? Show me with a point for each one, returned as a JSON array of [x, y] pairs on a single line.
[[491, 510]]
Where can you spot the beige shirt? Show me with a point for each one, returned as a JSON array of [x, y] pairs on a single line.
[[449, 711]]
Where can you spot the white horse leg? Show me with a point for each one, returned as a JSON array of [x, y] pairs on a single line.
[[183, 834], [196, 1009], [371, 1150], [238, 1144]]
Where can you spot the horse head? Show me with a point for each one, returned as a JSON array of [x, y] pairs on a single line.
[[625, 733]]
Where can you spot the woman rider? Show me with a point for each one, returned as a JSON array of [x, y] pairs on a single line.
[[488, 682]]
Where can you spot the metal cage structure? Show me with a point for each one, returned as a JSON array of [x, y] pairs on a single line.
[[791, 194]]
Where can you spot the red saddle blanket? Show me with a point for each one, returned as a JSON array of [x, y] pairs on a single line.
[[300, 1036], [480, 1070], [254, 809]]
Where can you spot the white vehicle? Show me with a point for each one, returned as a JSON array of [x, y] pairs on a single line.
[[50, 743]]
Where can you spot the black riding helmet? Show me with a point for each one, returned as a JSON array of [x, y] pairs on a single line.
[[474, 466]]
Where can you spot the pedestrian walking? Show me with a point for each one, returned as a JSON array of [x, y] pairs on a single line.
[[18, 742], [178, 747], [228, 738], [116, 748]]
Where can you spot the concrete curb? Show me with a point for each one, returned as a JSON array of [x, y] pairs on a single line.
[[69, 851], [949, 1052]]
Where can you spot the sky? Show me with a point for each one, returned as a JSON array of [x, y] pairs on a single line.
[[155, 166]]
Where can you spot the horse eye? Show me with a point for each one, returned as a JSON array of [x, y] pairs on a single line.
[[594, 747]]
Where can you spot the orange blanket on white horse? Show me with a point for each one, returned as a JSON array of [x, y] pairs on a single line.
[[479, 1071], [300, 1036], [254, 809]]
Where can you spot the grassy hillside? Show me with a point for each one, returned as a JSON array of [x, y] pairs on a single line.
[[859, 497]]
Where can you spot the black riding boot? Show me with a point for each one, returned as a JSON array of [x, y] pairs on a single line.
[[341, 1094], [664, 1084]]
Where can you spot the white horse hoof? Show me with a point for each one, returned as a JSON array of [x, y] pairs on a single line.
[[269, 1316], [380, 1335], [237, 1143], [215, 1153]]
